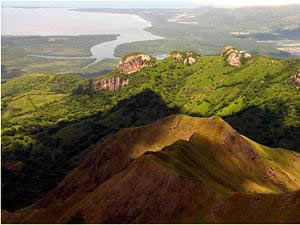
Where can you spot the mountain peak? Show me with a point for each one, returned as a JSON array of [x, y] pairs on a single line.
[[194, 157]]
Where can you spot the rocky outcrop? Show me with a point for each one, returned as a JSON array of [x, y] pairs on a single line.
[[111, 83], [188, 58], [235, 57], [178, 56], [296, 79], [134, 63]]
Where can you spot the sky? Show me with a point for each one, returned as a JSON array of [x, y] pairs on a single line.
[[216, 3], [241, 3]]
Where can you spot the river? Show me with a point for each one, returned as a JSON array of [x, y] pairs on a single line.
[[66, 22]]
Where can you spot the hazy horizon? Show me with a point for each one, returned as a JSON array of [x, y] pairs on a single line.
[[147, 4]]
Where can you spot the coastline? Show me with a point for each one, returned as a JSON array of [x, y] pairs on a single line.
[[123, 11], [86, 55], [134, 30]]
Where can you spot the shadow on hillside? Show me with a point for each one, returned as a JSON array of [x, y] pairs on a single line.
[[60, 148], [266, 127]]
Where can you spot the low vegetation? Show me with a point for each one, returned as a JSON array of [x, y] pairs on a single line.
[[201, 165], [50, 121], [16, 51]]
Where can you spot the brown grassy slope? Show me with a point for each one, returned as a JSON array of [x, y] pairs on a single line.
[[257, 208], [194, 170]]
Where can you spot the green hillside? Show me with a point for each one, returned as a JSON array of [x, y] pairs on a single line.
[[50, 121]]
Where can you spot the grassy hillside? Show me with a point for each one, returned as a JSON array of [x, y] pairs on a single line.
[[198, 164], [49, 121]]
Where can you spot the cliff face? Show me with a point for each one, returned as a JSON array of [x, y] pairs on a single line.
[[111, 83], [134, 63], [296, 79], [233, 56], [190, 60]]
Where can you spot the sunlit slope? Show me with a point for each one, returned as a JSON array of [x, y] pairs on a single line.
[[208, 87], [25, 95], [178, 169], [40, 82], [260, 92], [57, 117]]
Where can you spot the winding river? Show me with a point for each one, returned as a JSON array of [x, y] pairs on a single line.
[[66, 22]]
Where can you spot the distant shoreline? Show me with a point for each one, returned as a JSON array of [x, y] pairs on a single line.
[[62, 56], [101, 50]]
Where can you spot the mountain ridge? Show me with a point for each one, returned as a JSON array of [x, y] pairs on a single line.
[[157, 167], [51, 121]]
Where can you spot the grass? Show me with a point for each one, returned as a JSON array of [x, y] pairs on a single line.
[[205, 157], [44, 116], [196, 157], [29, 103], [206, 88]]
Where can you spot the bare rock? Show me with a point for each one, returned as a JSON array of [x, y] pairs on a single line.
[[188, 58], [226, 50], [176, 55], [111, 83], [296, 79], [234, 57], [134, 63], [247, 55]]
